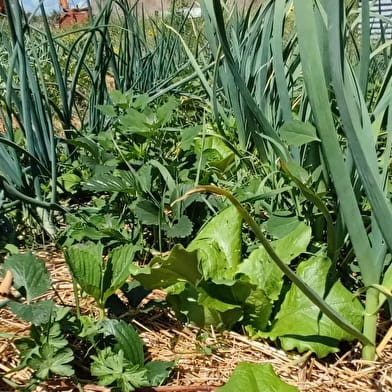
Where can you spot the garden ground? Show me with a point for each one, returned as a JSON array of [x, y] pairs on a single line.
[[205, 359]]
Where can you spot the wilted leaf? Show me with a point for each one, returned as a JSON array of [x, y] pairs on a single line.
[[30, 274], [254, 377], [180, 265]]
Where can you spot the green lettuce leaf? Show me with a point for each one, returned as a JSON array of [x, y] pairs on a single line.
[[262, 270], [219, 245], [299, 323]]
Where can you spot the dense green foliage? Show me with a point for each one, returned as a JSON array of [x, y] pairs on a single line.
[[107, 126]]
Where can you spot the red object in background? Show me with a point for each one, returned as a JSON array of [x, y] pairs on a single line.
[[2, 7], [73, 16]]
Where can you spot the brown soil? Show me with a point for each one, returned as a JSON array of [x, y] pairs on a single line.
[[202, 366]]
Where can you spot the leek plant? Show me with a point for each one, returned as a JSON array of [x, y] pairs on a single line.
[[289, 64]]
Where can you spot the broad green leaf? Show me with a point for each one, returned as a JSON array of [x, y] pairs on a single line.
[[220, 314], [188, 136], [215, 304], [107, 110], [257, 311], [229, 291], [69, 180], [300, 324], [118, 98], [85, 263], [219, 245], [219, 155], [127, 340], [195, 305], [165, 112], [30, 274], [117, 269], [297, 133], [37, 313], [182, 298], [147, 212], [134, 292], [180, 265], [182, 228], [158, 371], [261, 269], [279, 226], [135, 122], [254, 377]]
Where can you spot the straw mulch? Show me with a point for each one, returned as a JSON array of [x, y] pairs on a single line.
[[204, 364]]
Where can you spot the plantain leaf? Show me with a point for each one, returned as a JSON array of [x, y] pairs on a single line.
[[85, 263], [117, 269]]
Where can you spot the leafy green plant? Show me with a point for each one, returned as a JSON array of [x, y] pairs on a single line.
[[209, 283], [255, 377], [59, 340], [139, 167], [97, 277]]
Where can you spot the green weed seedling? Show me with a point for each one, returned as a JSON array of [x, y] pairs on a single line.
[[64, 344]]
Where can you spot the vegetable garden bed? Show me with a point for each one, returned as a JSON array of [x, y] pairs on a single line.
[[204, 358]]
